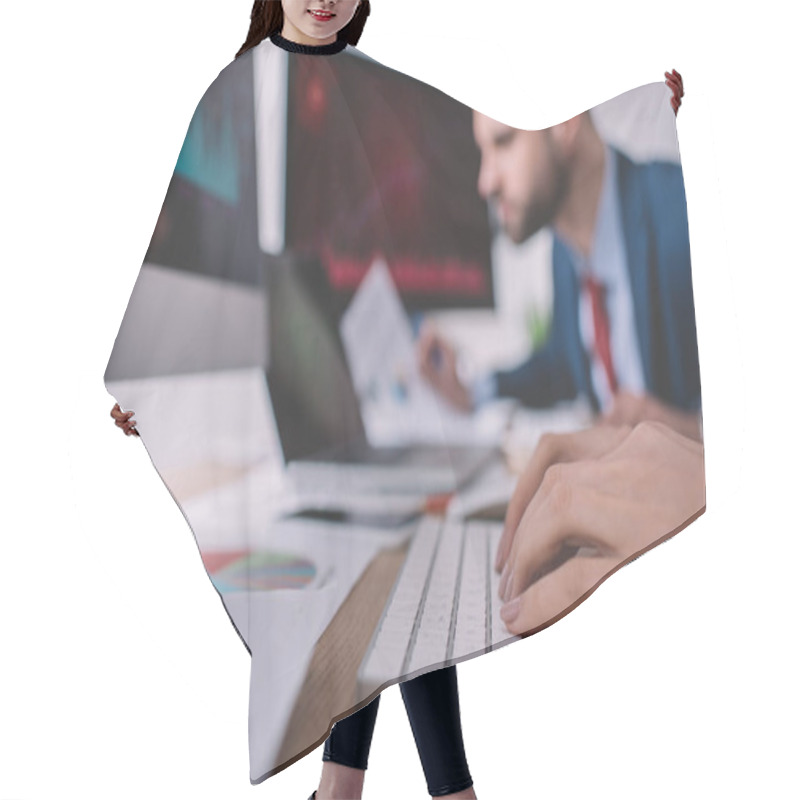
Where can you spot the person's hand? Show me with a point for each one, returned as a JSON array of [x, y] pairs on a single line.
[[648, 485], [631, 409], [551, 449], [675, 82], [437, 363], [124, 420]]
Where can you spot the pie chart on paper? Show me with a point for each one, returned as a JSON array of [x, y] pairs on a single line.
[[262, 570]]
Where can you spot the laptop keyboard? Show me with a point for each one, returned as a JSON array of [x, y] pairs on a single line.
[[444, 605]]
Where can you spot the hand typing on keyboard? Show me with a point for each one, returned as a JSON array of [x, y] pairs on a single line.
[[552, 449], [606, 493]]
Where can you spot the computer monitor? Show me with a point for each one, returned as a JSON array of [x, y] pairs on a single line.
[[377, 163], [208, 223]]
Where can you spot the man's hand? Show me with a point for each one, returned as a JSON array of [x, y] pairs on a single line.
[[631, 409], [553, 448], [437, 363], [675, 82], [648, 484]]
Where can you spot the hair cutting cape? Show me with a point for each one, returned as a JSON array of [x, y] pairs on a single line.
[[321, 211]]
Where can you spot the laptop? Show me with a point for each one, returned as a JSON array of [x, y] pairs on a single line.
[[317, 409]]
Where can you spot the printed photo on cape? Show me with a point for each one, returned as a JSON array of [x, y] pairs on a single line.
[[334, 234]]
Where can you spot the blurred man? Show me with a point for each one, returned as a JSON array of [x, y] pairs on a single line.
[[623, 326]]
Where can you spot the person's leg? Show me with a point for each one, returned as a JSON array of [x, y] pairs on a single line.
[[435, 716], [345, 755]]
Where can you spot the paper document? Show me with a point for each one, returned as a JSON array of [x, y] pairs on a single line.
[[397, 403]]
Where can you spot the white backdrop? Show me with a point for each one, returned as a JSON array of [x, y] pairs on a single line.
[[120, 675]]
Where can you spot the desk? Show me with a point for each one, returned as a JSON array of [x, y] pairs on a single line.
[[330, 681], [224, 472]]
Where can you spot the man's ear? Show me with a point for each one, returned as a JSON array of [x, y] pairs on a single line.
[[564, 135]]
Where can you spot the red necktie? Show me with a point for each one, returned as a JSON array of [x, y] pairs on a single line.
[[602, 335]]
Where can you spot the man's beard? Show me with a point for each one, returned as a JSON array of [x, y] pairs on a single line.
[[541, 211]]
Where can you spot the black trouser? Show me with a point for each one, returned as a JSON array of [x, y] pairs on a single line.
[[433, 711]]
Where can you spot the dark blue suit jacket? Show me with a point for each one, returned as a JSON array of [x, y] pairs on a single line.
[[656, 232]]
